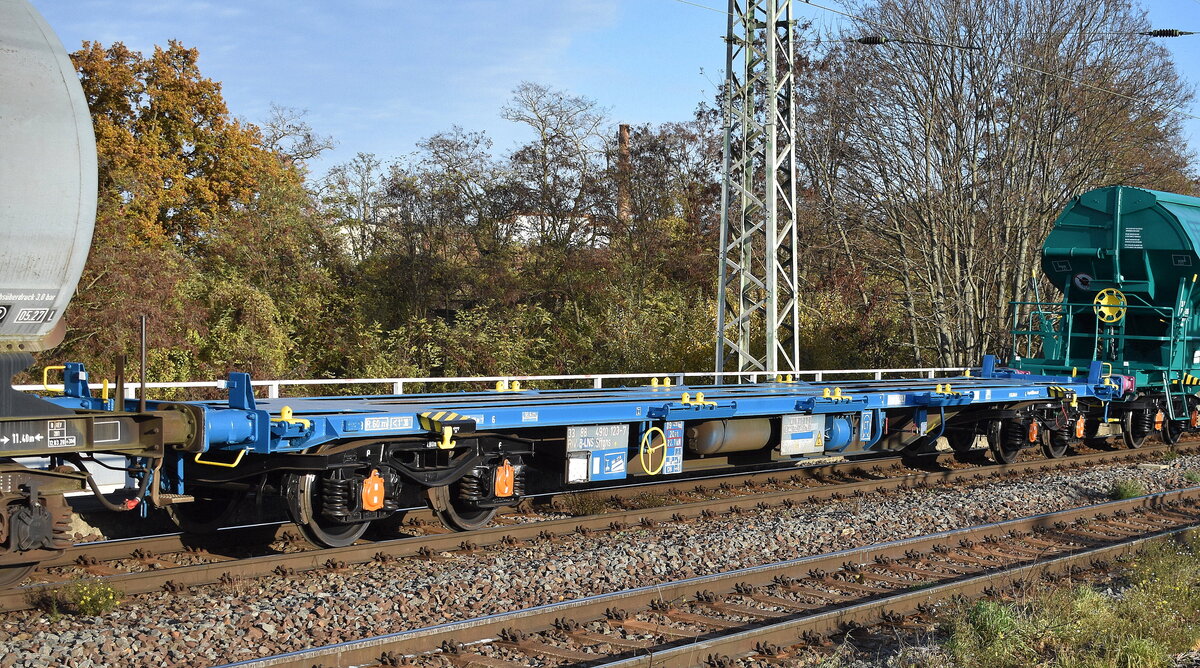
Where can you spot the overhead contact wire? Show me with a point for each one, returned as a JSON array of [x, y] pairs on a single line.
[[1012, 63]]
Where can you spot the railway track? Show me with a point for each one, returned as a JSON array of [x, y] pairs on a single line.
[[769, 612], [177, 562]]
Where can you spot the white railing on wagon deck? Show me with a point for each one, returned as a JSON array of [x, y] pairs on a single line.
[[597, 380]]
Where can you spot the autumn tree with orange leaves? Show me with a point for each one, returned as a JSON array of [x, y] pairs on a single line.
[[204, 228]]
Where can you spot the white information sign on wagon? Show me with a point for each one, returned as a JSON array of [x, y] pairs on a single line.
[[802, 435], [596, 452]]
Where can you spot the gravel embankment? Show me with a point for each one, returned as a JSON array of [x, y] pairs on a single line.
[[256, 618]]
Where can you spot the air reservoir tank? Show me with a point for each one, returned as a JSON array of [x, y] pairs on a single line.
[[721, 436]]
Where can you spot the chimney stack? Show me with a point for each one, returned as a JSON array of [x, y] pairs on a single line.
[[624, 172]]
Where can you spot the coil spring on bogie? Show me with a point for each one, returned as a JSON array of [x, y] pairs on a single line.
[[1014, 435], [335, 497], [519, 482], [471, 488], [1141, 422]]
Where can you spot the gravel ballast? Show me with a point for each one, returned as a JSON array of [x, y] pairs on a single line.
[[253, 618]]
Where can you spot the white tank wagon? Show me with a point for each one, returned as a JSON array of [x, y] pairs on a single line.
[[47, 181]]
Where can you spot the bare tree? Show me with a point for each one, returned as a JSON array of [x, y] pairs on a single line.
[[352, 200], [561, 168], [287, 133], [958, 160]]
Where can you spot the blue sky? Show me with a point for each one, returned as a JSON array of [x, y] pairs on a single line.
[[378, 75]]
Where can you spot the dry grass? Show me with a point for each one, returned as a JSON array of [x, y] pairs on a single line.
[[580, 504], [648, 500]]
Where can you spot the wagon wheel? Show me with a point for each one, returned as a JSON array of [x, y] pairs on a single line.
[[206, 514], [961, 440], [1135, 427], [456, 514], [1005, 448], [1054, 443], [1171, 431], [301, 490], [11, 575]]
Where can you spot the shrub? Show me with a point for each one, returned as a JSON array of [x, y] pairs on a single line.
[[91, 597], [1126, 489]]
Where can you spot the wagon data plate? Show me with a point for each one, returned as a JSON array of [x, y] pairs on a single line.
[[65, 433]]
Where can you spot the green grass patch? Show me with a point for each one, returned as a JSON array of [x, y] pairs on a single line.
[[1126, 489], [1192, 477], [1170, 456], [1156, 616]]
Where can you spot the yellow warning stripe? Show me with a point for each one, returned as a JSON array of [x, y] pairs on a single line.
[[433, 421], [1188, 379]]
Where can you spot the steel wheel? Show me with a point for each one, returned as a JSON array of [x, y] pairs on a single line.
[[1054, 443], [11, 575], [304, 506], [961, 440], [1171, 431], [455, 514], [1005, 449], [1135, 427], [205, 514]]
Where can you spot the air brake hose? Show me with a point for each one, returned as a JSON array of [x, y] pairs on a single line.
[[141, 491]]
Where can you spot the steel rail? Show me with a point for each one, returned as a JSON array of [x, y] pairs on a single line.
[[987, 558], [178, 577]]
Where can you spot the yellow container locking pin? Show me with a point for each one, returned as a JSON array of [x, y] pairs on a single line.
[[654, 382], [285, 416], [666, 382], [826, 394], [501, 385], [104, 390], [686, 399]]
